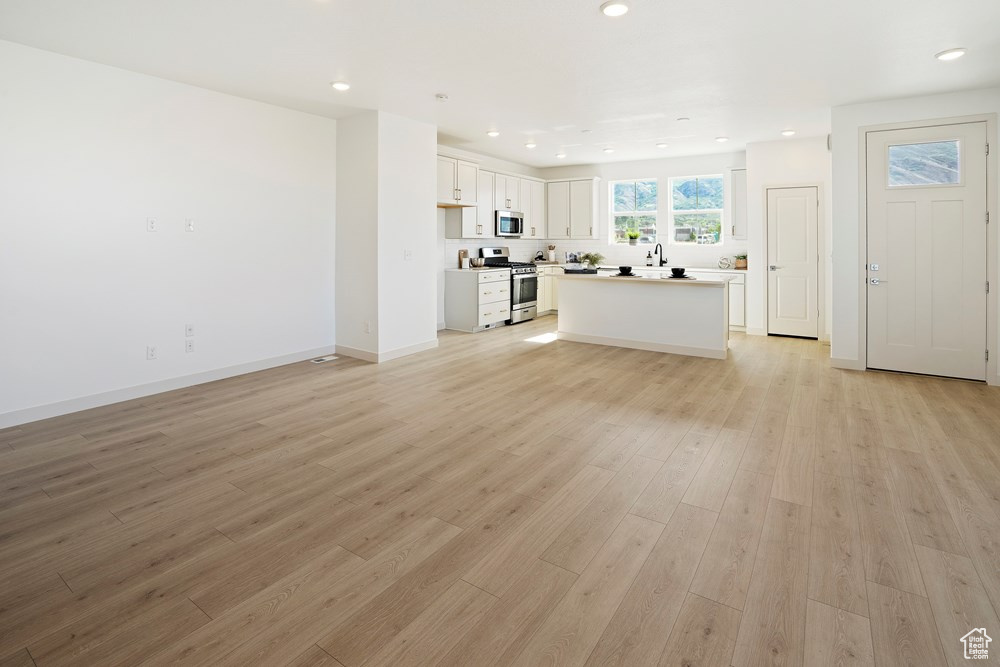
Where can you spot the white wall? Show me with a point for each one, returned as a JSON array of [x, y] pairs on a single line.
[[786, 162], [88, 153], [357, 233], [848, 333], [407, 275]]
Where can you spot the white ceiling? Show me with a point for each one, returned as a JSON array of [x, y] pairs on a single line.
[[545, 70]]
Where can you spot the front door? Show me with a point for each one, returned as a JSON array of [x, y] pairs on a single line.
[[793, 261], [926, 264]]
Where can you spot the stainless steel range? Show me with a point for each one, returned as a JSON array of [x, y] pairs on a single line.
[[523, 283]]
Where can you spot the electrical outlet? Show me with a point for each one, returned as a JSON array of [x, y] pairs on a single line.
[[150, 352], [152, 225], [188, 330], [188, 224], [189, 345], [368, 327]]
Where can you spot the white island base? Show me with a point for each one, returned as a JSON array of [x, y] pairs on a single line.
[[689, 317]]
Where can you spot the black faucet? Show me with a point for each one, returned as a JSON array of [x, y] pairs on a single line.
[[659, 255]]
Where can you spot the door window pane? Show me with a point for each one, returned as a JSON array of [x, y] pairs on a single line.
[[935, 163]]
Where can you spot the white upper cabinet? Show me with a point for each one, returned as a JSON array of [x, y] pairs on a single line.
[[457, 182], [485, 210], [582, 207], [506, 192], [557, 207], [533, 207], [572, 209], [473, 222], [736, 204]]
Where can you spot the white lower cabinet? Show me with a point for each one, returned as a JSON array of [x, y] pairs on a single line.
[[476, 299], [548, 286], [737, 295]]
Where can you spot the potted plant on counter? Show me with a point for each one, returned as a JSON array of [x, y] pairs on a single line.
[[633, 237], [741, 261], [592, 259]]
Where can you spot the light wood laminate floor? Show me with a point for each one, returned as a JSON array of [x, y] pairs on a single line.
[[503, 500]]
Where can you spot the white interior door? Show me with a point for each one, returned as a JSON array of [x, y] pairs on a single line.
[[793, 261], [926, 271]]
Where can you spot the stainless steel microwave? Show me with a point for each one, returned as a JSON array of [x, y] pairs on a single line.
[[510, 223]]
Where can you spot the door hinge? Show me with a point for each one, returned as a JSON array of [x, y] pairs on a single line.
[[987, 355], [987, 217], [987, 287], [987, 149]]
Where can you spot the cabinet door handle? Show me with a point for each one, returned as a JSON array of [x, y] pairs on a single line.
[[459, 198], [487, 293], [567, 231], [591, 231]]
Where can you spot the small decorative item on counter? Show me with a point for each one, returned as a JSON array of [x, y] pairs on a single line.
[[552, 253], [463, 258], [741, 261], [633, 237], [649, 258], [592, 258], [725, 263]]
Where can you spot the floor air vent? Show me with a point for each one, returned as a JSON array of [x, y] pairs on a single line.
[[322, 360]]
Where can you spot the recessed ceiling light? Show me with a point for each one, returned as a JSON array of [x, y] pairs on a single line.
[[788, 133], [683, 118], [530, 145], [950, 54], [614, 8], [441, 97], [609, 150], [560, 155], [493, 133], [586, 131], [341, 85], [661, 145], [722, 140]]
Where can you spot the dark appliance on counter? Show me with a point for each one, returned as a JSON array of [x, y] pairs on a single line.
[[510, 223], [523, 283]]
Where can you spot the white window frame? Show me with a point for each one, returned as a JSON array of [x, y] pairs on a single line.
[[612, 239], [671, 233]]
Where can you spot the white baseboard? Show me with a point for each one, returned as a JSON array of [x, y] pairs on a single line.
[[847, 364], [356, 353], [380, 357], [441, 326], [406, 351], [26, 415], [643, 345], [754, 331]]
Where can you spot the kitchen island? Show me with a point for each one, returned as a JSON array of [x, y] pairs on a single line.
[[688, 317]]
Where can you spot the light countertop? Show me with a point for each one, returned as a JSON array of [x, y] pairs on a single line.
[[632, 280], [481, 268], [640, 267]]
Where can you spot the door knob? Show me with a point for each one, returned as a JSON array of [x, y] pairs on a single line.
[[772, 268]]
